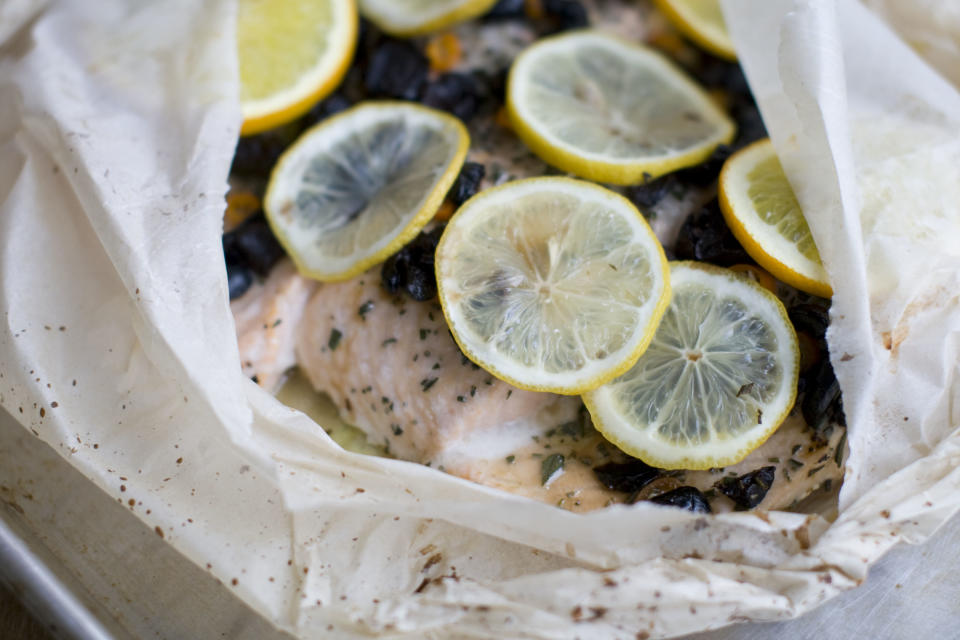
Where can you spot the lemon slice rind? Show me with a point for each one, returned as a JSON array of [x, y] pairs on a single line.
[[623, 412], [407, 18], [704, 32], [779, 255], [481, 349], [342, 131], [260, 114], [537, 133]]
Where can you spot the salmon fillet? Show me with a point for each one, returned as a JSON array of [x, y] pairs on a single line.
[[394, 371], [267, 316]]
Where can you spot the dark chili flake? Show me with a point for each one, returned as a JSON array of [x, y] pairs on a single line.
[[705, 236], [364, 309], [396, 69], [748, 490], [426, 383], [689, 498], [626, 476], [550, 466], [239, 279], [468, 182], [334, 340]]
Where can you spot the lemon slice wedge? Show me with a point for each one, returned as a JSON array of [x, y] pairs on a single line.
[[702, 22], [358, 186], [719, 377], [407, 18], [611, 111], [551, 284], [762, 211], [292, 53]]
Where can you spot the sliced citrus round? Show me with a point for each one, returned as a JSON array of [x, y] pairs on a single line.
[[407, 18], [551, 284], [762, 211], [609, 110], [719, 377], [358, 186], [702, 22], [292, 53]]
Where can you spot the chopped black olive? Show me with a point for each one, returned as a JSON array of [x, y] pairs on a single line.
[[822, 403], [506, 10], [239, 279], [714, 73], [331, 105], [566, 14], [626, 476], [256, 155], [748, 490], [707, 171], [813, 319], [468, 182], [411, 269], [649, 193], [705, 236], [252, 245], [396, 69], [689, 498], [458, 93]]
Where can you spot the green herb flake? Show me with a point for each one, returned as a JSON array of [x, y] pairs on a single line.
[[511, 458], [334, 340], [473, 390], [365, 308], [461, 399], [276, 323], [838, 454], [774, 460], [814, 471], [426, 383], [550, 466], [397, 429], [795, 464], [424, 333], [388, 341]]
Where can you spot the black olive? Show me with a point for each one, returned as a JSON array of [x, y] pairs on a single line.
[[239, 279], [411, 269], [626, 476], [566, 14], [252, 245], [256, 155], [648, 194], [705, 236], [822, 402], [811, 318], [468, 182], [750, 127], [748, 490], [506, 10], [457, 93], [689, 498], [707, 171], [327, 107], [396, 69]]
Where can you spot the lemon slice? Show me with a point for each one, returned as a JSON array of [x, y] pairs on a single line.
[[760, 208], [551, 284], [358, 186], [416, 17], [610, 111], [702, 22], [292, 53], [719, 377]]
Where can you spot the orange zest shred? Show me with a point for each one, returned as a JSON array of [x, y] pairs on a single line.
[[445, 211], [240, 206], [443, 51]]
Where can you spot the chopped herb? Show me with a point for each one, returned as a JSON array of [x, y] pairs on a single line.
[[511, 458], [424, 333], [796, 448], [813, 471], [397, 429], [827, 484], [473, 390], [436, 365], [747, 388], [461, 399], [334, 340], [795, 464], [384, 399], [276, 323], [365, 308], [574, 428], [366, 389], [426, 383], [773, 459], [430, 315], [509, 393], [488, 381], [550, 466], [388, 341], [838, 454], [426, 354], [759, 416]]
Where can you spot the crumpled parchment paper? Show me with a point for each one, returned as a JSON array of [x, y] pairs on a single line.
[[117, 347]]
